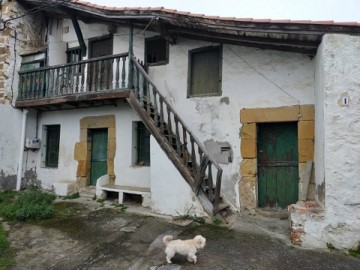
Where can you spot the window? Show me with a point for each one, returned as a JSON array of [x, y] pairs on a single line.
[[156, 51], [32, 61], [141, 144], [73, 55], [204, 74], [51, 147]]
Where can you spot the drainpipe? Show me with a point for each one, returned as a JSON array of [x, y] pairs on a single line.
[[21, 151]]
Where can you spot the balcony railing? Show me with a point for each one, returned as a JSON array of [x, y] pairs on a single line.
[[96, 74]]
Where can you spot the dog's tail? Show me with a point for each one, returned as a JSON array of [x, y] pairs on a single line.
[[167, 239]]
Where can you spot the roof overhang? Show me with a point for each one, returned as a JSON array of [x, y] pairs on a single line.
[[284, 35]]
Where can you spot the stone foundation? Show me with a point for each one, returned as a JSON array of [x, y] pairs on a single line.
[[299, 214]]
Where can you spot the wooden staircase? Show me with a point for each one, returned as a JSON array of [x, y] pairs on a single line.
[[181, 146]]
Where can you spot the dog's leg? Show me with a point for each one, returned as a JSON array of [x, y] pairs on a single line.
[[189, 259], [193, 257], [169, 255]]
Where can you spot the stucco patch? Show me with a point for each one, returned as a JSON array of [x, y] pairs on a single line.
[[225, 100]]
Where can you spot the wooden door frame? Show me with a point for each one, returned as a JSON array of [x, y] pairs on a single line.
[[304, 115], [82, 148]]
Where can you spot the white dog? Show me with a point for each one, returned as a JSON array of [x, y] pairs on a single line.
[[183, 247]]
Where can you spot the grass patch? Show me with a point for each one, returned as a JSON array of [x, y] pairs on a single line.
[[71, 197], [32, 205], [120, 206], [200, 220], [7, 254], [355, 252], [330, 246], [217, 221]]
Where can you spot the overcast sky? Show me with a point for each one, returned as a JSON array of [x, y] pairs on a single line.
[[337, 10]]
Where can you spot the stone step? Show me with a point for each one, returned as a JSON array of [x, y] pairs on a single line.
[[87, 192]]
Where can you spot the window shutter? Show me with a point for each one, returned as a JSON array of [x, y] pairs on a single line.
[[52, 146], [143, 144]]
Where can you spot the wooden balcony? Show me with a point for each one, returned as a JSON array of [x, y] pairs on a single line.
[[94, 82]]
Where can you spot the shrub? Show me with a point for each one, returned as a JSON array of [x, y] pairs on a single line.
[[30, 205]]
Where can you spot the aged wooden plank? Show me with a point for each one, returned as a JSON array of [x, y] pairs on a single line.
[[306, 180]]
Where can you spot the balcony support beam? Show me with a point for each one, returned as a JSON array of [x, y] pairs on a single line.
[[79, 34]]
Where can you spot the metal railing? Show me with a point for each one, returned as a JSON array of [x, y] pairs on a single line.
[[96, 74]]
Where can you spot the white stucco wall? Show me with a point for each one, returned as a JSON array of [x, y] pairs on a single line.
[[339, 77], [10, 131], [69, 121], [251, 78], [170, 194]]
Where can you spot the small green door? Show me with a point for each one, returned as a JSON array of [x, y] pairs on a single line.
[[278, 175], [98, 166]]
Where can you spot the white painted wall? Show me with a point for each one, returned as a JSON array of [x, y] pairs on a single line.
[[340, 153], [250, 78], [170, 194], [10, 131], [69, 120]]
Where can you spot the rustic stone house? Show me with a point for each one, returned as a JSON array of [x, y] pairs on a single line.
[[192, 113]]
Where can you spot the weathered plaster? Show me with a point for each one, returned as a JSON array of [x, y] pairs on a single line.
[[337, 146]]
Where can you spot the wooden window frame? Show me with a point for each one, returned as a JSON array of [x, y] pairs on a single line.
[[95, 39], [47, 162], [159, 63], [190, 67], [138, 159]]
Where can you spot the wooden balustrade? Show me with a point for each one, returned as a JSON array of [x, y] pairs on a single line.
[[96, 74]]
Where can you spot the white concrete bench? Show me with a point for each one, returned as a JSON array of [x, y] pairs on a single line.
[[102, 185]]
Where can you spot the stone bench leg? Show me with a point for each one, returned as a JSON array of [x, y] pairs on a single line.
[[121, 197], [146, 200]]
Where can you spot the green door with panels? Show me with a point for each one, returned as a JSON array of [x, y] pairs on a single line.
[[278, 174], [98, 162]]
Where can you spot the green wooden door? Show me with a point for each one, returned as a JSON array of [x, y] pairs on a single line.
[[98, 166], [278, 175]]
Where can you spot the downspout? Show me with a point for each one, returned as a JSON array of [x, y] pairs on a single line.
[[21, 149]]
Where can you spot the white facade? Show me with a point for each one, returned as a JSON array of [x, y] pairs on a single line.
[[251, 78], [337, 152]]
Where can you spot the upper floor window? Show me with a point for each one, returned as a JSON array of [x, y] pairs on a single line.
[[156, 51], [73, 55], [204, 73], [32, 61]]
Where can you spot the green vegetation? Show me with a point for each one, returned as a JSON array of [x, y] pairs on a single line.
[[355, 252], [200, 220], [217, 221], [330, 246], [120, 206], [7, 254], [71, 197], [31, 205]]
